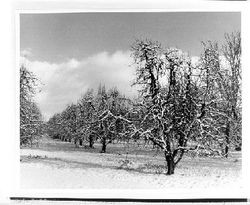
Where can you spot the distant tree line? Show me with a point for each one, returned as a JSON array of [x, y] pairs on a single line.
[[181, 106]]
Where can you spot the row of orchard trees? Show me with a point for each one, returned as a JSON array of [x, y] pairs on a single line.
[[31, 123], [181, 106], [93, 117]]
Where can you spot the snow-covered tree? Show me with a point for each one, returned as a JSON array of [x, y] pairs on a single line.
[[224, 76], [86, 117], [167, 91], [110, 110], [30, 115]]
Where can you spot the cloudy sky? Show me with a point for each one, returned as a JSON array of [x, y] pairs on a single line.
[[73, 52]]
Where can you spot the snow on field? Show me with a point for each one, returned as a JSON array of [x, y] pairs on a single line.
[[60, 165]]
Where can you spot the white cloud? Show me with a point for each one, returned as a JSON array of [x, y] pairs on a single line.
[[65, 82], [73, 63]]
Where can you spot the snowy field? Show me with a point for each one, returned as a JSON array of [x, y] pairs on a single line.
[[59, 165]]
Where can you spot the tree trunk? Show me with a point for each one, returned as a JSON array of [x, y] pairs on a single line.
[[226, 151], [227, 139], [76, 143], [80, 142], [170, 163], [31, 142], [91, 141], [104, 145]]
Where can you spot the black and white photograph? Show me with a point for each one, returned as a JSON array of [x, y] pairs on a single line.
[[127, 104], [130, 100]]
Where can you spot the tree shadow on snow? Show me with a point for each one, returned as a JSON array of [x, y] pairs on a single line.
[[146, 168]]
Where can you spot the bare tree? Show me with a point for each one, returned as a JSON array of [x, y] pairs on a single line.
[[224, 76], [30, 115], [161, 103], [86, 115], [110, 110], [232, 52]]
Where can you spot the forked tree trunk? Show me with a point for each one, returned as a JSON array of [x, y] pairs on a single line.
[[170, 163]]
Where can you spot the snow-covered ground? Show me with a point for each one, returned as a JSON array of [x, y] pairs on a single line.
[[60, 165]]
